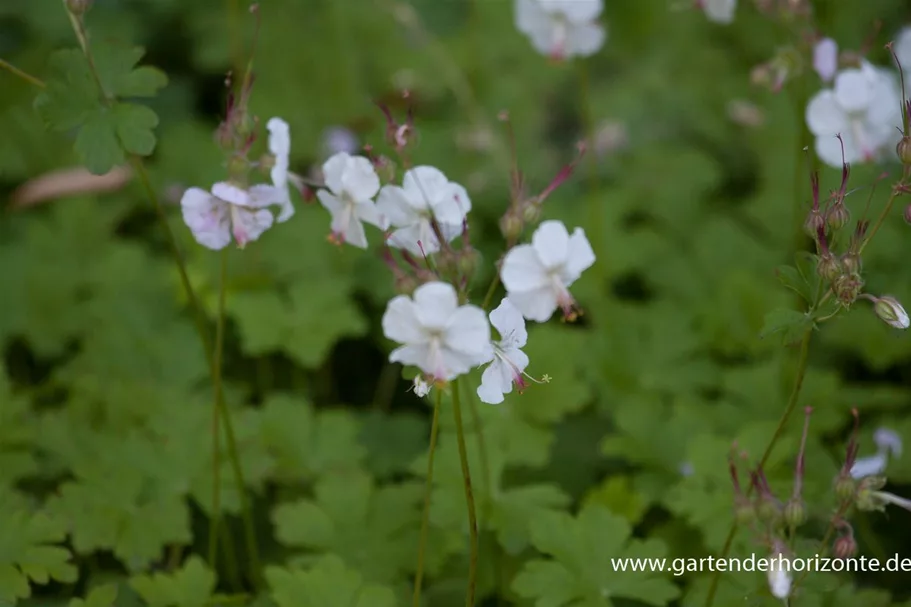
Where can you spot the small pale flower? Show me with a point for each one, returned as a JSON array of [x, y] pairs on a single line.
[[509, 362], [213, 217], [719, 11], [537, 276], [352, 183], [779, 575], [888, 443], [425, 194], [863, 107], [561, 28], [439, 337], [280, 148], [421, 386], [825, 59]]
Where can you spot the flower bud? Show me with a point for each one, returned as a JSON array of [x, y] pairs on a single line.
[[829, 268], [768, 510], [511, 226], [845, 488], [744, 512], [837, 216], [844, 548], [813, 223], [903, 150], [908, 214], [468, 262], [891, 312], [851, 263], [237, 168], [847, 288], [795, 514], [385, 168], [531, 212], [78, 7]]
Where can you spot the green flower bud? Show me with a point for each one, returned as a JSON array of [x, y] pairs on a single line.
[[78, 7], [837, 216], [903, 150], [845, 488], [829, 268], [744, 512], [768, 511], [844, 548], [511, 226], [795, 514]]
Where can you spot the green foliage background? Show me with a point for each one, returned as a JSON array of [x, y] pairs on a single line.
[[105, 402]]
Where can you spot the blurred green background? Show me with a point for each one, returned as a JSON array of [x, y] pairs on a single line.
[[105, 402]]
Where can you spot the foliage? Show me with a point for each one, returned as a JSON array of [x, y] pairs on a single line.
[[684, 359]]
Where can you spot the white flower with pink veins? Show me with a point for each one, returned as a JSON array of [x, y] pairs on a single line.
[[864, 107], [537, 276], [562, 28]]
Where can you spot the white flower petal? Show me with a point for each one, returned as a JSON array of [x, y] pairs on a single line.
[[853, 89], [262, 195], [360, 180], [492, 386], [825, 58], [551, 243], [333, 171], [412, 238], [417, 355], [888, 440], [330, 202], [207, 217], [435, 303], [395, 204], [575, 11], [231, 193], [585, 39], [248, 225], [580, 256], [869, 466], [825, 116], [468, 332], [522, 270], [353, 231], [507, 319], [537, 304], [426, 184], [280, 148], [400, 321], [367, 212], [719, 11], [779, 576]]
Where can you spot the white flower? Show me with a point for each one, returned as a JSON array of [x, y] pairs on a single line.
[[509, 362], [779, 576], [280, 148], [537, 275], [888, 443], [426, 194], [719, 11], [214, 216], [864, 107], [352, 184], [440, 337], [825, 59], [561, 28], [421, 387]]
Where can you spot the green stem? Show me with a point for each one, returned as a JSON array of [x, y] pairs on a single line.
[[896, 192], [803, 356], [428, 486], [15, 71], [469, 498], [491, 290], [216, 409], [199, 315]]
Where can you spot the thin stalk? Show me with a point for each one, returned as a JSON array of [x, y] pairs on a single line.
[[199, 315], [215, 519], [779, 430], [491, 290], [469, 498], [896, 192], [428, 486], [15, 71]]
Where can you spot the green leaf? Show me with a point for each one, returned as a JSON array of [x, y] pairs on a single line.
[[97, 143], [329, 583], [789, 325], [584, 570], [100, 596], [134, 124], [373, 529], [792, 279], [191, 586], [28, 552]]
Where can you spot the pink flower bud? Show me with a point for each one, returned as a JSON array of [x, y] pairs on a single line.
[[891, 312]]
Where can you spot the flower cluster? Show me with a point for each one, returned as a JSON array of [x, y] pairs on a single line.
[[562, 29], [235, 209]]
